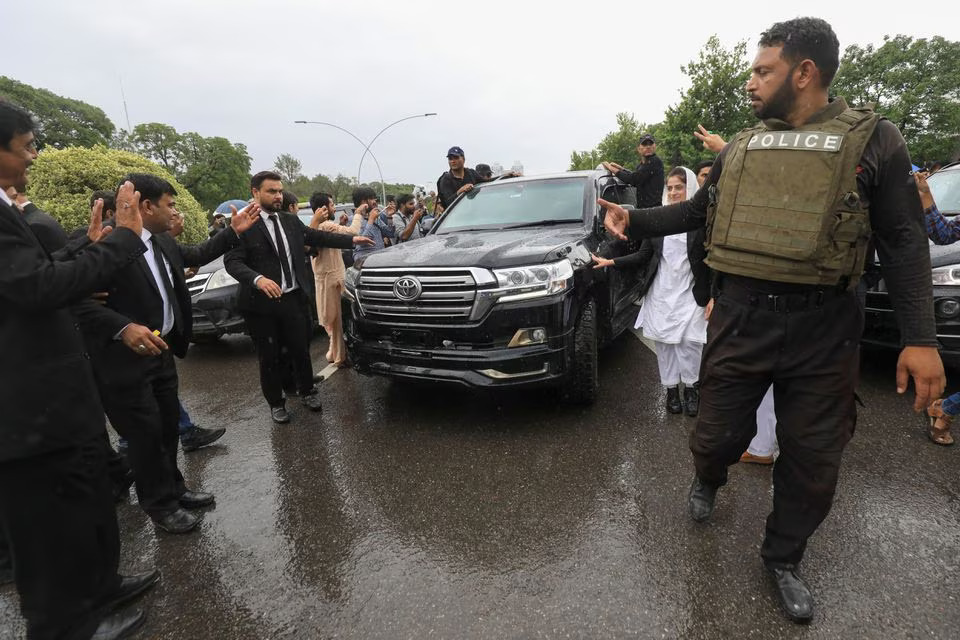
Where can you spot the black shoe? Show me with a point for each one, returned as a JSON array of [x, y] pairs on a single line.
[[6, 576], [701, 499], [279, 414], [317, 377], [198, 437], [121, 491], [691, 399], [180, 521], [312, 401], [673, 400], [119, 625], [131, 587], [196, 499], [795, 597]]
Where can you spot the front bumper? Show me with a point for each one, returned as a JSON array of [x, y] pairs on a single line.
[[474, 354], [215, 313], [881, 329]]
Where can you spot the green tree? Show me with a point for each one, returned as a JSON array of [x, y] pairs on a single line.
[[61, 182], [618, 146], [214, 170], [716, 99], [160, 143], [914, 83], [62, 122], [288, 167]]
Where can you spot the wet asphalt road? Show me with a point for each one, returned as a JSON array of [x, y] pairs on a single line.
[[406, 511]]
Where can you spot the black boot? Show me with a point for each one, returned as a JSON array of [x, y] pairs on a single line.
[[701, 499], [691, 399], [794, 595], [673, 400]]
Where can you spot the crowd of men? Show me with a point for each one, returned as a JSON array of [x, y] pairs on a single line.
[[101, 315]]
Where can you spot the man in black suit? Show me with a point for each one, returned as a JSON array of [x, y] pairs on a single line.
[[147, 320], [56, 511], [271, 267]]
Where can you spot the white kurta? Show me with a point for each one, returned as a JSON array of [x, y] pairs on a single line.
[[669, 313]]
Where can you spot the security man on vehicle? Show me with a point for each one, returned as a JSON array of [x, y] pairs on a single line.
[[789, 208]]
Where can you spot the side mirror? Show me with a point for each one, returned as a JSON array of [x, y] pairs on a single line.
[[427, 225]]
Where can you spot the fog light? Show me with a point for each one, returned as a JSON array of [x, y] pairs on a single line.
[[526, 337], [948, 308]]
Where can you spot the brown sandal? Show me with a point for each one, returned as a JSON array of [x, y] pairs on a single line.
[[939, 424]]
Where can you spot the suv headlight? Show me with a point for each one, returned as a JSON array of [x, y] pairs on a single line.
[[220, 278], [948, 275], [350, 278], [536, 281]]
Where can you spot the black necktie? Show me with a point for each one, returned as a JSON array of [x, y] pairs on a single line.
[[167, 285], [281, 251]]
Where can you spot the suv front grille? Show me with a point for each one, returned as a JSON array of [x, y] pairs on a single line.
[[446, 296]]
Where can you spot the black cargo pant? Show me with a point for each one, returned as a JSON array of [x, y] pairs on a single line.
[[57, 514], [807, 346]]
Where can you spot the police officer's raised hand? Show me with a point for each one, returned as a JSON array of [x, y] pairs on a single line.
[[923, 364], [616, 219], [128, 208], [711, 141]]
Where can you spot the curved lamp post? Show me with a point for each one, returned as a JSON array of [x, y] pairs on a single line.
[[366, 150]]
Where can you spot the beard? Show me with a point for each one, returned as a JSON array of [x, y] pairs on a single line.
[[779, 104]]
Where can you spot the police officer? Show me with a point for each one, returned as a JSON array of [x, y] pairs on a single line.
[[789, 207]]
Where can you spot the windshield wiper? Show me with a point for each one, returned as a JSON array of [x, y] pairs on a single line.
[[540, 223]]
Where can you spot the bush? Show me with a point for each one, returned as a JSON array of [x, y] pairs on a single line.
[[61, 182]]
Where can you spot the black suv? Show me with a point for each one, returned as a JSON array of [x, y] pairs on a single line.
[[881, 326], [501, 292]]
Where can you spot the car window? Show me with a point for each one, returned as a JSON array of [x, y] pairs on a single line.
[[514, 203], [945, 187]]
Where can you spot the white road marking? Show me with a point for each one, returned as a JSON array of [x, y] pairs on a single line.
[[328, 371]]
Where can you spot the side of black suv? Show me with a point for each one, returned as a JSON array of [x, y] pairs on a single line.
[[501, 293], [881, 326]]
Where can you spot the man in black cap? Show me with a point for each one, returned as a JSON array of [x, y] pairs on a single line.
[[459, 179], [484, 171], [647, 177]]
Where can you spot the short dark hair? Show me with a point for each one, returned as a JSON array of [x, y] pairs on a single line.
[[678, 172], [258, 178], [288, 199], [14, 121], [391, 197], [404, 199], [362, 193], [803, 38], [703, 164], [150, 187], [109, 199], [320, 199]]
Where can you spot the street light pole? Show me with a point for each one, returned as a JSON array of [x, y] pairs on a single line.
[[366, 149]]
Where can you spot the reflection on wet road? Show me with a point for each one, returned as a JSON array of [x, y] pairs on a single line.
[[408, 511]]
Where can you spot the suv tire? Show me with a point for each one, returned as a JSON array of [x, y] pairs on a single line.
[[581, 384]]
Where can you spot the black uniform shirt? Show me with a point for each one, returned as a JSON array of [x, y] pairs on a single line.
[[648, 179], [887, 186], [448, 185]]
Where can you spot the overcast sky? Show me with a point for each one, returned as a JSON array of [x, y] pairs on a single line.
[[511, 81]]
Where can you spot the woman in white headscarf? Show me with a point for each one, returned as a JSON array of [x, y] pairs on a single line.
[[678, 288]]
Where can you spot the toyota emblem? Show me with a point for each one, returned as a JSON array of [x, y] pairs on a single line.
[[407, 288]]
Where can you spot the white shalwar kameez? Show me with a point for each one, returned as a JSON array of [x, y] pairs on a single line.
[[670, 316]]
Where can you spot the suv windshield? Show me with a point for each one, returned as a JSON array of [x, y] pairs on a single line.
[[517, 204], [945, 187]]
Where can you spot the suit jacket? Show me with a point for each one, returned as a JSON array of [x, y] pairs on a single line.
[[652, 248], [256, 255], [134, 297], [47, 393], [45, 227]]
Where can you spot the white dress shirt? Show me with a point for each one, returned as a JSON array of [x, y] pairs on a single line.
[[145, 236], [267, 219]]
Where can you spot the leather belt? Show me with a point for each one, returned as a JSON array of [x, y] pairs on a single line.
[[814, 298]]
